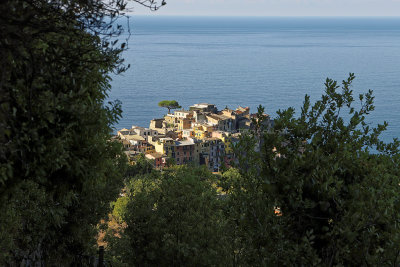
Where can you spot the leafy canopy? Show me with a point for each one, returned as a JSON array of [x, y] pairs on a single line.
[[169, 104], [172, 218], [58, 168], [335, 183]]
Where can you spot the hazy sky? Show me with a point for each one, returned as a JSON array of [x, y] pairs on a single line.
[[275, 8]]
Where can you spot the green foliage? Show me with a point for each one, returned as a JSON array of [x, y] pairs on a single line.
[[319, 189], [169, 104], [58, 168], [173, 218], [141, 166], [339, 201]]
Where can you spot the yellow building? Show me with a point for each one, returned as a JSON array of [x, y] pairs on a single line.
[[165, 146], [228, 144], [170, 120], [200, 151], [209, 128], [226, 138], [199, 132], [184, 123], [188, 133], [150, 149], [202, 131], [229, 147]]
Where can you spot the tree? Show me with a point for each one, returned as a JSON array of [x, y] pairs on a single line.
[[172, 218], [323, 189], [58, 168], [169, 104]]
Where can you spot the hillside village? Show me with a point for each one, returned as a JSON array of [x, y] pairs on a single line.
[[202, 135]]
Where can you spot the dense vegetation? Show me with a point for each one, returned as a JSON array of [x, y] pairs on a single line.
[[58, 168], [317, 189]]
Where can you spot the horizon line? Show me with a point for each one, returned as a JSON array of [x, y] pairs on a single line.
[[261, 16]]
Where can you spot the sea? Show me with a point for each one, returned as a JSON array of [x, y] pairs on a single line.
[[252, 61]]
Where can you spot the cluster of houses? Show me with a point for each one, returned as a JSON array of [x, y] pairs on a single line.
[[201, 135]]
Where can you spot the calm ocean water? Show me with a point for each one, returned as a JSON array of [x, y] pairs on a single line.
[[250, 61]]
